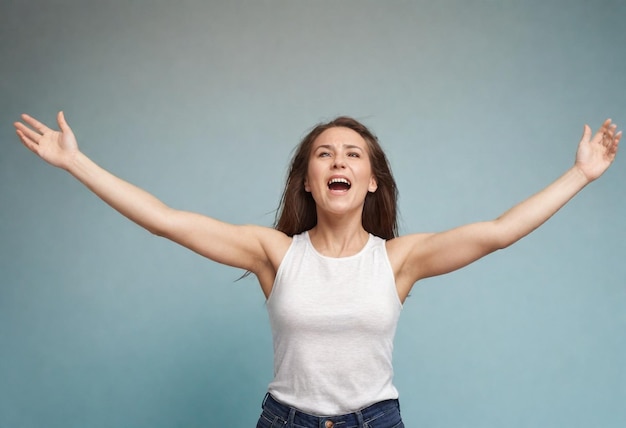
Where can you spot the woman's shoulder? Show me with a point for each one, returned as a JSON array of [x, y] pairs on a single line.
[[402, 245], [271, 238]]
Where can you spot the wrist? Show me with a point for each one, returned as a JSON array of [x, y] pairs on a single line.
[[579, 174], [76, 163]]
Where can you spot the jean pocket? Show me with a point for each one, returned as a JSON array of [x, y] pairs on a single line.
[[387, 418], [383, 424], [268, 420]]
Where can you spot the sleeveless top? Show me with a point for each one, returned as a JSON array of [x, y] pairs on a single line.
[[333, 323]]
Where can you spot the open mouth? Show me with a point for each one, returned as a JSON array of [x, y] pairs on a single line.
[[339, 184]]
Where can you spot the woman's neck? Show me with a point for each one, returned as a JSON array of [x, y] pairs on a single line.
[[338, 240]]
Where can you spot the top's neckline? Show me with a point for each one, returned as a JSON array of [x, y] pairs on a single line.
[[367, 244]]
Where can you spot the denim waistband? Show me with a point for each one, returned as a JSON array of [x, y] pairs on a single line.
[[350, 420]]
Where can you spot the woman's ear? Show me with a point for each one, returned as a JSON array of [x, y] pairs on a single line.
[[373, 185]]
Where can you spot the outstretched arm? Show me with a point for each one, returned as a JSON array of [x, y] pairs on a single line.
[[425, 255], [245, 247]]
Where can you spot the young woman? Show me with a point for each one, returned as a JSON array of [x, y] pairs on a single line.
[[333, 270]]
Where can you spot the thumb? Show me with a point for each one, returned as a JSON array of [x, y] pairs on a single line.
[[62, 123], [586, 133]]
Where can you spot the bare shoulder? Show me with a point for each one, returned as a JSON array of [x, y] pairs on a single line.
[[402, 247], [274, 242]]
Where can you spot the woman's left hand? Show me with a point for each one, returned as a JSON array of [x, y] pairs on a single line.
[[595, 154]]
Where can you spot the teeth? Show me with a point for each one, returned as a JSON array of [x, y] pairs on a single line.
[[338, 180]]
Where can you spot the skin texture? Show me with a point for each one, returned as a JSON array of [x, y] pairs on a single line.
[[339, 232]]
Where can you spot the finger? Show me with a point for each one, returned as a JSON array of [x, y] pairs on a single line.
[[586, 133], [609, 135], [62, 122], [27, 132], [30, 144], [617, 137], [600, 135], [610, 130], [35, 123], [605, 126], [612, 149]]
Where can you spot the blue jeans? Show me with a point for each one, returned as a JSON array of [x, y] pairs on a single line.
[[385, 414]]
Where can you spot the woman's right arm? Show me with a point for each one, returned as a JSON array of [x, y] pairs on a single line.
[[246, 247]]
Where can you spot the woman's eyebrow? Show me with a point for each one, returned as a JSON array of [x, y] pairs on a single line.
[[332, 147]]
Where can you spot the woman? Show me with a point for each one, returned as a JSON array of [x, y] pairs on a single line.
[[333, 271]]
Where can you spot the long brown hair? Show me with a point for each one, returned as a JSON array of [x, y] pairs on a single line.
[[297, 213]]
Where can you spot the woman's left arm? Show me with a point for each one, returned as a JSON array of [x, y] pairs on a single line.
[[438, 253]]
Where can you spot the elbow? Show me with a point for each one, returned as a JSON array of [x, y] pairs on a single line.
[[502, 244], [157, 232], [503, 236], [171, 224], [496, 244], [161, 225], [162, 228]]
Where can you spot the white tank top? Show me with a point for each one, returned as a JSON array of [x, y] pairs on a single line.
[[333, 323]]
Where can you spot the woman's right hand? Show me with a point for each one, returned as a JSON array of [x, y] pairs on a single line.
[[58, 148]]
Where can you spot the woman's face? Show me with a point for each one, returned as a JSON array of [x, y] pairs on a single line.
[[339, 172]]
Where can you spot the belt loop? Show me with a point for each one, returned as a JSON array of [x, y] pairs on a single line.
[[292, 415], [359, 418]]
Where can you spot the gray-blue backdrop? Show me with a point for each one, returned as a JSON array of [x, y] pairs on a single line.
[[478, 104]]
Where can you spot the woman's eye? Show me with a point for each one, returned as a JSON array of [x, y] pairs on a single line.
[[324, 154], [354, 155]]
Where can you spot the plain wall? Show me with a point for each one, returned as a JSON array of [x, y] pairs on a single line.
[[478, 105]]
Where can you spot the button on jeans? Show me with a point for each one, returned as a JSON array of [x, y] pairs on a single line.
[[385, 414]]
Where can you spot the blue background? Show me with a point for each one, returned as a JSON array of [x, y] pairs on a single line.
[[478, 105]]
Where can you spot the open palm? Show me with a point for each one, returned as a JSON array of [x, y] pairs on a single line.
[[595, 154], [55, 147]]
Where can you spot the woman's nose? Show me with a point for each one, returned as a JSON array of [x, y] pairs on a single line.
[[339, 163]]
